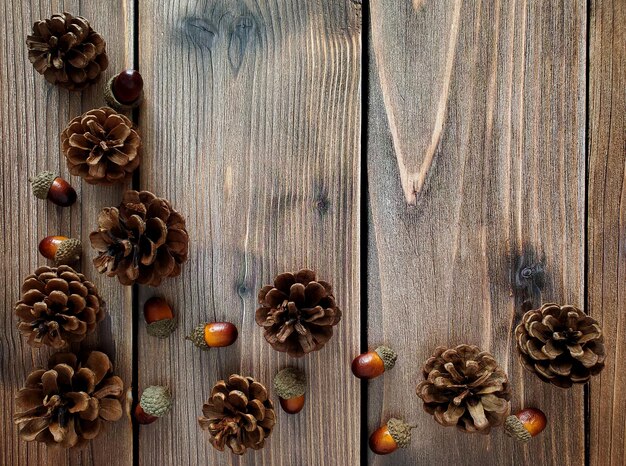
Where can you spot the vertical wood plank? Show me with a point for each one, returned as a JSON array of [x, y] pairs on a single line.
[[252, 123], [476, 170], [607, 223], [33, 114]]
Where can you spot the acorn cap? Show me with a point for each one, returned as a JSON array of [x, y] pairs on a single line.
[[388, 356], [116, 104], [290, 383], [69, 251], [515, 428], [156, 400], [400, 431], [162, 328], [197, 337], [41, 183]]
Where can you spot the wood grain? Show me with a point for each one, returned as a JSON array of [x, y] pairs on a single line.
[[33, 114], [607, 223], [252, 123], [494, 94]]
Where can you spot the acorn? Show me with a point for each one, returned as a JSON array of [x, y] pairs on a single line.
[[155, 402], [124, 91], [388, 438], [528, 423], [159, 317], [61, 249], [213, 335], [290, 385], [373, 363], [48, 185]]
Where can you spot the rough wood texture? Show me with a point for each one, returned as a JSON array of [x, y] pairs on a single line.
[[606, 227], [33, 114], [253, 133], [476, 170]]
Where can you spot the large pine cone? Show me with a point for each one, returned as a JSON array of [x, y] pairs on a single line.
[[101, 146], [297, 313], [67, 404], [67, 51], [465, 387], [238, 414], [58, 306], [142, 241], [560, 344]]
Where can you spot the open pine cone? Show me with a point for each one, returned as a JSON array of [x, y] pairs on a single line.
[[67, 51], [297, 313], [68, 404], [238, 414], [101, 146], [142, 241], [58, 306], [560, 344], [465, 387]]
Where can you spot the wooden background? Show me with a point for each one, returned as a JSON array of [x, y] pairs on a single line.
[[417, 153]]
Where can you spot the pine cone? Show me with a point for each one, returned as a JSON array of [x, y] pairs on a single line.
[[465, 387], [560, 344], [67, 51], [68, 404], [58, 306], [142, 241], [238, 414], [101, 146], [297, 313]]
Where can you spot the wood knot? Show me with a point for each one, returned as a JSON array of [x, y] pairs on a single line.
[[200, 32]]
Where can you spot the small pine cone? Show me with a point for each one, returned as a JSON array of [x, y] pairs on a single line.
[[142, 241], [297, 313], [101, 146], [560, 344], [68, 404], [465, 387], [58, 306], [238, 415], [67, 51]]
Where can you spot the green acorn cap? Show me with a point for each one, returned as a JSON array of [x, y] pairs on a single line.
[[116, 104], [197, 337], [156, 400], [513, 427], [290, 383], [162, 328], [388, 356], [400, 431], [41, 183], [68, 252]]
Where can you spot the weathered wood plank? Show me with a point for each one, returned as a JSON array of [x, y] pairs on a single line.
[[252, 128], [606, 227], [476, 169], [33, 114]]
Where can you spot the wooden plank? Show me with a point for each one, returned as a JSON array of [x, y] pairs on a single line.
[[606, 233], [476, 170], [33, 116], [252, 129]]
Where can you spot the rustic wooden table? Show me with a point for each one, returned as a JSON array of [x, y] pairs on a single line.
[[417, 154]]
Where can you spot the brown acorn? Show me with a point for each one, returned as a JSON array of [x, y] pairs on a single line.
[[391, 436], [124, 91], [213, 335], [159, 317], [524, 425], [373, 363], [155, 402], [48, 185], [290, 385], [61, 249]]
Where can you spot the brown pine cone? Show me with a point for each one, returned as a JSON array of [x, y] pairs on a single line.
[[560, 344], [58, 306], [68, 404], [297, 313], [67, 51], [142, 241], [101, 146], [238, 414], [465, 387]]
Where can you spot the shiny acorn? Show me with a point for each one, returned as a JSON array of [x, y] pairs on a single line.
[[47, 185], [373, 363], [391, 436], [61, 249], [290, 386], [213, 335], [159, 317], [524, 425], [155, 402], [124, 91]]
